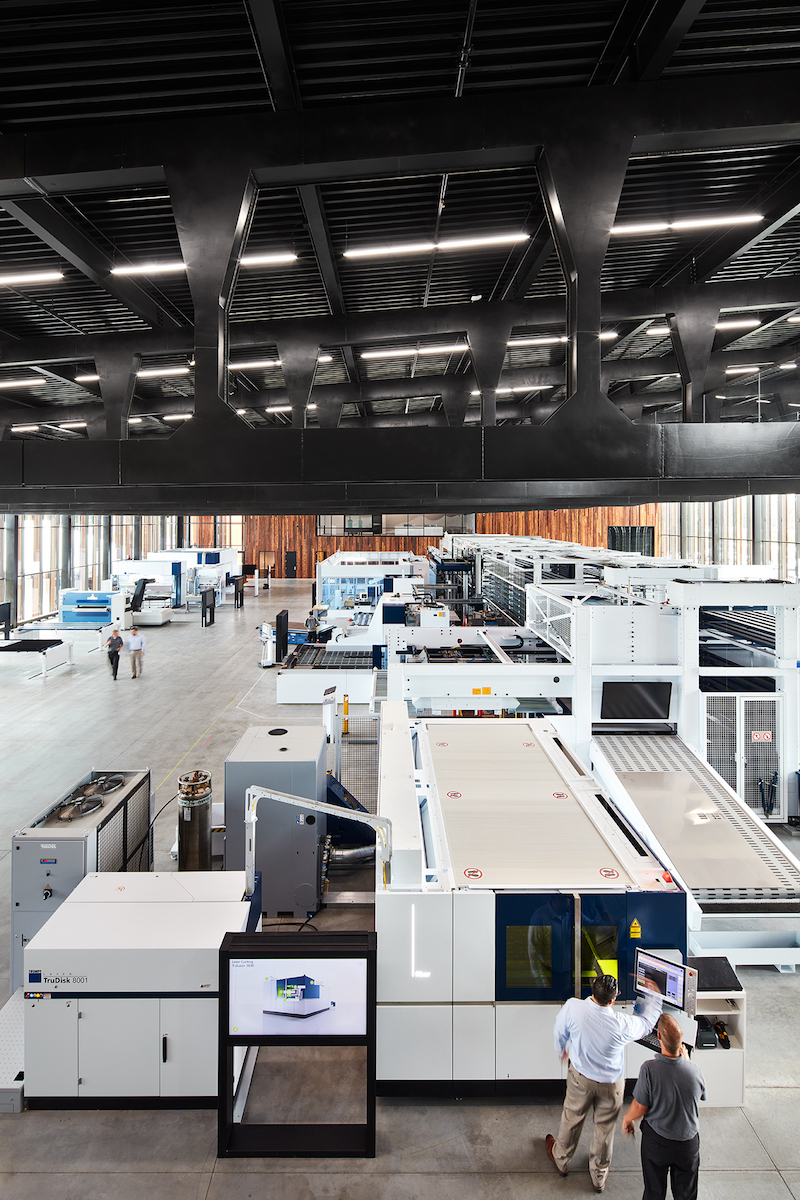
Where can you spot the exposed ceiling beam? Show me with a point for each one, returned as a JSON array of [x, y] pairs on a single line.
[[777, 207], [538, 252], [43, 219], [269, 36], [644, 39]]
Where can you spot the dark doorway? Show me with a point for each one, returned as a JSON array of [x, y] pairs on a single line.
[[290, 564]]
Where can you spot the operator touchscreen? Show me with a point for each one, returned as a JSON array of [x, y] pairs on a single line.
[[657, 975], [311, 997]]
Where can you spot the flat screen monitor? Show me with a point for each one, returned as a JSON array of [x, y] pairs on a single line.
[[642, 701], [314, 997], [657, 975]]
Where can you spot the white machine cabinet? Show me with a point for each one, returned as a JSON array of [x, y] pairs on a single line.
[[121, 987]]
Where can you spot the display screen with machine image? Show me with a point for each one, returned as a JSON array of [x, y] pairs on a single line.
[[306, 997]]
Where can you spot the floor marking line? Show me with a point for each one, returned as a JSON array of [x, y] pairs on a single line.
[[191, 748]]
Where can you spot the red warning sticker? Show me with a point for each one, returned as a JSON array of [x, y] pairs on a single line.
[[560, 796], [609, 873], [473, 873], [442, 743], [531, 744], [454, 795], [761, 735]]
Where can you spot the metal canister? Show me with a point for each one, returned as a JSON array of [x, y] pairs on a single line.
[[194, 821]]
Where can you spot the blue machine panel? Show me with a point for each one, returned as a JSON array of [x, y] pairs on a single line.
[[661, 916], [533, 941]]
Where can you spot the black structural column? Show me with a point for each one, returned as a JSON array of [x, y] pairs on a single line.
[[488, 340], [693, 329], [117, 371], [212, 223], [298, 363], [581, 183]]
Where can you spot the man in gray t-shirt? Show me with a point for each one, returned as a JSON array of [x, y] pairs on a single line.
[[668, 1094]]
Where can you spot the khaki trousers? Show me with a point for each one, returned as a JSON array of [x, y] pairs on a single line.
[[605, 1101]]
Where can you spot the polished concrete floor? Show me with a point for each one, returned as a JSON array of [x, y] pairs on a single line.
[[200, 691]]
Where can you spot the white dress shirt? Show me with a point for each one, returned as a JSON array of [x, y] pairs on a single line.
[[597, 1035]]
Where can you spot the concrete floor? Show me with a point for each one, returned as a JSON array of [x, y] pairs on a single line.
[[200, 691]]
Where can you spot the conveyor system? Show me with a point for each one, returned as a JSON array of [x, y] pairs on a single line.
[[715, 843]]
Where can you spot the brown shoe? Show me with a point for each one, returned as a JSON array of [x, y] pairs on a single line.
[[598, 1187], [549, 1143]]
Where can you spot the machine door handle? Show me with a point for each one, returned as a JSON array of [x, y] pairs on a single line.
[[164, 1048]]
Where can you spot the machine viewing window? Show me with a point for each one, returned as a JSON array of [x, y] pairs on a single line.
[[529, 956], [599, 952], [314, 997], [641, 701]]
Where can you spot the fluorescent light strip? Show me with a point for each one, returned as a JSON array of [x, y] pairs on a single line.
[[285, 408], [157, 372], [787, 366], [255, 365], [24, 428], [31, 277], [536, 341], [409, 352], [72, 425], [325, 358], [793, 320], [136, 199], [177, 417], [689, 223], [528, 387], [657, 331], [754, 370], [608, 335], [38, 381], [87, 378], [257, 260], [135, 420], [739, 323], [149, 268], [500, 239]]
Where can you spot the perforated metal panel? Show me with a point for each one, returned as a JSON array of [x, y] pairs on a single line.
[[721, 721], [124, 839], [761, 755]]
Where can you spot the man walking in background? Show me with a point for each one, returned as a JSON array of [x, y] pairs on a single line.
[[136, 646], [114, 645], [596, 1037], [667, 1096]]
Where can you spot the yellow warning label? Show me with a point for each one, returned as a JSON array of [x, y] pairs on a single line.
[[486, 691], [476, 691], [636, 929]]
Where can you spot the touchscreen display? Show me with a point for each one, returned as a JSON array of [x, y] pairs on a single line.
[[298, 997]]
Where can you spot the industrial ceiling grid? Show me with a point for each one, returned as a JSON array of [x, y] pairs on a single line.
[[196, 58]]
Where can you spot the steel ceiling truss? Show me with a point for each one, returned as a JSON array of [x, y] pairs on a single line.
[[212, 171]]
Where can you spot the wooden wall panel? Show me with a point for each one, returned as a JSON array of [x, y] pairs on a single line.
[[584, 525]]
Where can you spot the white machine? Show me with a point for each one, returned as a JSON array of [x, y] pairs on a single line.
[[121, 990]]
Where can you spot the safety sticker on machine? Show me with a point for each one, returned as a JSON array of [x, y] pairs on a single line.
[[609, 873], [442, 743], [473, 873], [761, 735], [532, 745], [454, 795], [560, 796], [635, 929]]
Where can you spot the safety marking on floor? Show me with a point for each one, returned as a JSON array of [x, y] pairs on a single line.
[[172, 770]]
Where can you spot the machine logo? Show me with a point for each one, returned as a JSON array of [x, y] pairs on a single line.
[[47, 845], [473, 873], [609, 873]]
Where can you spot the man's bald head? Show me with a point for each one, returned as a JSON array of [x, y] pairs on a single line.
[[671, 1033]]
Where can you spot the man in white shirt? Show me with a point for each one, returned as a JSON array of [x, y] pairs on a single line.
[[136, 650], [596, 1037]]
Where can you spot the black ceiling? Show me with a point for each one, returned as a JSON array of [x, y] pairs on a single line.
[[85, 70]]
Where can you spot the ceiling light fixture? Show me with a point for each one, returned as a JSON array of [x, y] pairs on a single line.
[[24, 428], [739, 323], [135, 420], [657, 331], [409, 351], [258, 260], [467, 243], [177, 417], [284, 408], [535, 341], [87, 378], [135, 199], [689, 223], [30, 277], [157, 372], [72, 425], [149, 268], [240, 412], [324, 358], [37, 381], [787, 366], [752, 370], [255, 365], [793, 320], [528, 387], [608, 335]]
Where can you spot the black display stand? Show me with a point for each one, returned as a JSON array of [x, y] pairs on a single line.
[[207, 607], [238, 590], [5, 619], [281, 635], [237, 1139]]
